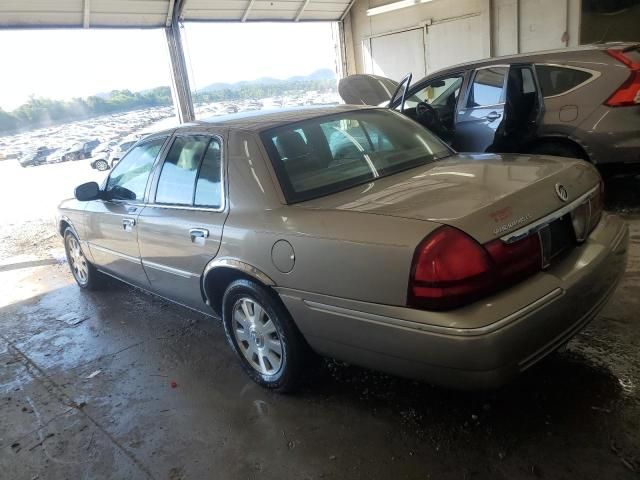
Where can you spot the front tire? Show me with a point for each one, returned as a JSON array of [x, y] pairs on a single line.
[[264, 337], [84, 273]]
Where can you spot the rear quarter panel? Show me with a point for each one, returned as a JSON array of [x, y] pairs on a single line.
[[346, 254], [571, 113]]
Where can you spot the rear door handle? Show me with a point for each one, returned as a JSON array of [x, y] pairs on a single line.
[[493, 116], [128, 224], [198, 235]]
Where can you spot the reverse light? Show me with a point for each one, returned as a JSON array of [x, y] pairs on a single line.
[[450, 269], [629, 92]]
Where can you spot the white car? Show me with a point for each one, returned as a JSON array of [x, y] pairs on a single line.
[[119, 150]]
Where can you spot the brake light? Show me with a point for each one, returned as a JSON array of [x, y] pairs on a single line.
[[450, 269], [517, 260], [629, 92]]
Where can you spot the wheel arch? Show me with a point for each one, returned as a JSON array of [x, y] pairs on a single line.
[[563, 140], [221, 272], [65, 223]]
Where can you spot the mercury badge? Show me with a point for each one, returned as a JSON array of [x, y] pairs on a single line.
[[562, 192]]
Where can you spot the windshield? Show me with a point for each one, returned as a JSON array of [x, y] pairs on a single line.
[[324, 155]]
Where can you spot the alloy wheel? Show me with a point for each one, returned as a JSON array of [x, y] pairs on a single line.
[[77, 261], [257, 336]]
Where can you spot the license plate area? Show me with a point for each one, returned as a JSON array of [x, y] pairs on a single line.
[[556, 239]]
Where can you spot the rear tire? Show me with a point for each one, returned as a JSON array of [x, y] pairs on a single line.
[[264, 337], [83, 271]]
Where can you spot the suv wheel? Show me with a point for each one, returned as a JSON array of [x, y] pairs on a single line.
[[262, 334]]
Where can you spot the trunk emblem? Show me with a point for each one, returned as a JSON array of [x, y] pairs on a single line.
[[562, 192]]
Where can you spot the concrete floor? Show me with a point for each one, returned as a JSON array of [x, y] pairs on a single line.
[[86, 391]]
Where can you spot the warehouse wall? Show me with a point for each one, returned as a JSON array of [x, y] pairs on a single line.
[[543, 24]]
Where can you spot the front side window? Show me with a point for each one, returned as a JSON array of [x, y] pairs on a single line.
[[325, 155], [440, 92], [555, 80], [487, 87], [191, 173], [128, 179]]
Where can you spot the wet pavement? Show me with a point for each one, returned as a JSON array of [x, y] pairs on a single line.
[[120, 384]]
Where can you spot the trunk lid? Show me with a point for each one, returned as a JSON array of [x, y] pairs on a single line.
[[484, 195], [363, 89]]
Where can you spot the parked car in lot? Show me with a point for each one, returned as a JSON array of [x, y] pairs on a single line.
[[101, 155], [119, 150], [579, 102], [355, 233], [35, 157]]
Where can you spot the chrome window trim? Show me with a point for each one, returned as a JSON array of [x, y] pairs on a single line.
[[546, 220], [595, 74], [223, 189], [184, 207]]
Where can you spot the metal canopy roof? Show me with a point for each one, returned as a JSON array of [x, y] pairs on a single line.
[[158, 13]]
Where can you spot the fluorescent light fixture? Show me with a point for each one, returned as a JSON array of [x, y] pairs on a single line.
[[390, 7]]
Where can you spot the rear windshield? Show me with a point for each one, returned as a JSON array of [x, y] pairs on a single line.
[[324, 155]]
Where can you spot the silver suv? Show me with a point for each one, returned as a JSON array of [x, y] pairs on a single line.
[[580, 102]]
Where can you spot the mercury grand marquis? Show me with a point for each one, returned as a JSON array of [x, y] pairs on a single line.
[[354, 233]]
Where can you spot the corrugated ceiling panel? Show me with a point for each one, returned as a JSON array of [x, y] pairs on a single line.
[[153, 13]]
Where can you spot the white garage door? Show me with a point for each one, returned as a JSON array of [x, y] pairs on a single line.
[[456, 41], [396, 54]]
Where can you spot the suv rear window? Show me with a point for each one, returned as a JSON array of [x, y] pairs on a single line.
[[324, 155], [556, 80]]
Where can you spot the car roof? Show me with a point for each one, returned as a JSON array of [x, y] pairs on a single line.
[[539, 56], [259, 120]]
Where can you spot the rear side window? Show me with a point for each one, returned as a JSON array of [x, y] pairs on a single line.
[[190, 174], [488, 87], [556, 80]]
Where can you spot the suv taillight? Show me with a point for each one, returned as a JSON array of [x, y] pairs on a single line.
[[450, 269], [629, 92]]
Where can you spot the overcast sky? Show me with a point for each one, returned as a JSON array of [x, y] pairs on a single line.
[[62, 64]]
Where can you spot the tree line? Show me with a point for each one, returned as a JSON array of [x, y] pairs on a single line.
[[41, 112]]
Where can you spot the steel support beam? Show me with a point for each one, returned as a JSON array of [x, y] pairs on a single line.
[[180, 88], [301, 10], [86, 14], [247, 10]]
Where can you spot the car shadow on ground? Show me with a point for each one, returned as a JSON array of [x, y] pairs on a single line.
[[622, 193]]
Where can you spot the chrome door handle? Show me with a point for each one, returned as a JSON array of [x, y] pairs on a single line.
[[128, 224], [198, 235], [493, 116]]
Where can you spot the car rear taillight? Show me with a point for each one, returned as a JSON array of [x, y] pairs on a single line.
[[450, 269], [629, 92]]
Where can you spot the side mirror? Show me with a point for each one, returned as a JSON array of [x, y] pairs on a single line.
[[87, 191]]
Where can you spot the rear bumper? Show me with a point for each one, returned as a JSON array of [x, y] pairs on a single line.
[[479, 346], [612, 135]]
